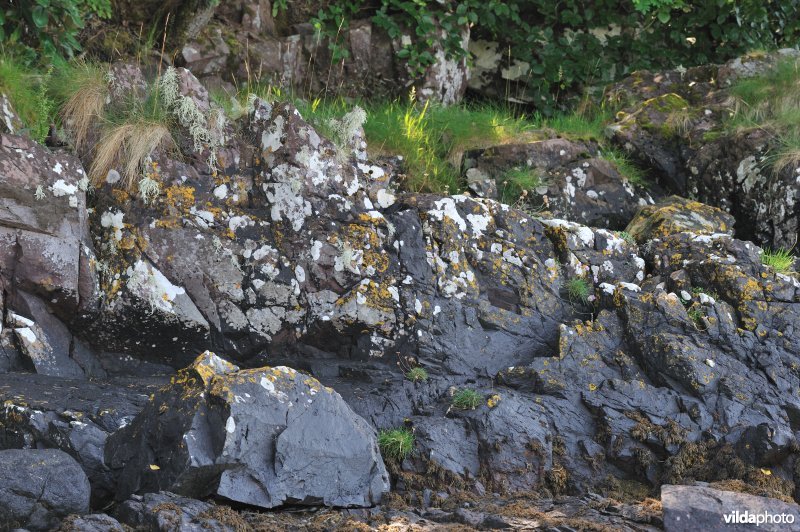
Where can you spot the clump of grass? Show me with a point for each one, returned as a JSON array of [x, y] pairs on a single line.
[[626, 168], [578, 289], [80, 89], [781, 260], [518, 183], [772, 101], [576, 126], [696, 314], [417, 374], [26, 89], [466, 399], [396, 444], [627, 237]]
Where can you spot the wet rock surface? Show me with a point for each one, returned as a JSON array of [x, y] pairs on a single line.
[[594, 360]]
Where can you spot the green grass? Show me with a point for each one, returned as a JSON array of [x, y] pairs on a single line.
[[517, 183], [781, 260], [466, 399], [627, 237], [396, 444], [772, 102], [417, 374], [626, 167], [26, 88], [578, 289]]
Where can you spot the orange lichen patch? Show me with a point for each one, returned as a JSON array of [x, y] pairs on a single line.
[[180, 196], [120, 195]]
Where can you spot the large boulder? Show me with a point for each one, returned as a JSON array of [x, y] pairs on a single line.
[[689, 508], [266, 437], [40, 487]]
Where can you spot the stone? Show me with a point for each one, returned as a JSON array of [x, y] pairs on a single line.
[[91, 523], [266, 437], [676, 215], [40, 487], [165, 511], [689, 508]]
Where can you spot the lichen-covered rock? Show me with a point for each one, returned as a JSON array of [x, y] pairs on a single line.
[[266, 437], [39, 487], [573, 180], [676, 215], [674, 122]]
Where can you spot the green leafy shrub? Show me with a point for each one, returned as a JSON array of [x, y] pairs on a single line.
[[417, 374], [560, 48], [396, 444], [51, 26], [466, 399]]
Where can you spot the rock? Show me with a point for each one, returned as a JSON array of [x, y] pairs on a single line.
[[71, 415], [10, 122], [674, 122], [688, 508], [46, 258], [39, 487], [91, 523], [574, 181], [165, 511], [676, 215], [266, 437]]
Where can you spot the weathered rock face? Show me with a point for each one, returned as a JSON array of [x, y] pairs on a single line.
[[38, 488], [46, 258], [575, 182], [689, 508], [674, 123], [676, 215], [266, 437]]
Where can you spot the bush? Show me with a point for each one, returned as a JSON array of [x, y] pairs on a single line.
[[50, 26], [396, 444], [466, 399], [566, 46]]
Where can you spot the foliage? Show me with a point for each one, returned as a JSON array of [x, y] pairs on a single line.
[[26, 89], [564, 47], [781, 260], [578, 289], [772, 102], [396, 444], [50, 26], [517, 183], [417, 374], [466, 399], [626, 167]]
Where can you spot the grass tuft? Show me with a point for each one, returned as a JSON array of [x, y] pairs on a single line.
[[781, 260], [518, 183], [772, 102], [466, 399], [396, 444], [417, 374], [578, 290], [80, 89]]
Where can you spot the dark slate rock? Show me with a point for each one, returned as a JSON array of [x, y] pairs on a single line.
[[691, 508], [39, 487], [91, 523], [165, 512], [266, 437]]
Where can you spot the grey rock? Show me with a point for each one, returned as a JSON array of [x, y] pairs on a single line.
[[690, 508], [39, 487]]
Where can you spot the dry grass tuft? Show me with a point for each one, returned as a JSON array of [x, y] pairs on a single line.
[[86, 102], [128, 145]]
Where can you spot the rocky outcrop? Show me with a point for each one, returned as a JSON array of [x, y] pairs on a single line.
[[266, 437], [562, 178], [38, 488], [675, 123]]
